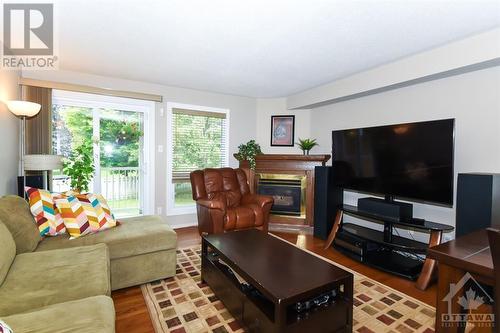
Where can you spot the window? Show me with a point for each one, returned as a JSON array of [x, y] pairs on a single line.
[[119, 134], [198, 139]]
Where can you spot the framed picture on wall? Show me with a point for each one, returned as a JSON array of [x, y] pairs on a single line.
[[282, 131]]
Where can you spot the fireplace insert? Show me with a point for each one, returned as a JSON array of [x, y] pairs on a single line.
[[288, 192]]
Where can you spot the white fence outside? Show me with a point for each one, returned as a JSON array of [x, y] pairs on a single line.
[[121, 186]]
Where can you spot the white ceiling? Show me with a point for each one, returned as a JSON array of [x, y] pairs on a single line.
[[256, 48]]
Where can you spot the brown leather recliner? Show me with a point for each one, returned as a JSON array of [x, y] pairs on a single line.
[[224, 202]]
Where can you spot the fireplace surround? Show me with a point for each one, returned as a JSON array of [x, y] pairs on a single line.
[[282, 166]]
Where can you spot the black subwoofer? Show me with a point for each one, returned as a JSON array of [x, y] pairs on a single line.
[[328, 197], [31, 181], [478, 202]]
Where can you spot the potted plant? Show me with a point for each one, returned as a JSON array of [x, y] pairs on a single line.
[[306, 145], [79, 167], [247, 152]]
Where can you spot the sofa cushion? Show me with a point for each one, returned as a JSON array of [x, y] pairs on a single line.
[[47, 217], [7, 251], [134, 236], [43, 278], [16, 215], [88, 315]]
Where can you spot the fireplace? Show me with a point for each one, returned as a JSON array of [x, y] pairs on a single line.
[[272, 167], [288, 191]]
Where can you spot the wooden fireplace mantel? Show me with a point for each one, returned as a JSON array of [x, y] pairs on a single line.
[[293, 157], [286, 162], [289, 165]]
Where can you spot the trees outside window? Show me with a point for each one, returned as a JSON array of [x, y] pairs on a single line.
[[118, 139], [199, 140]]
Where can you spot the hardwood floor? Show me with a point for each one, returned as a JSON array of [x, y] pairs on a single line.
[[132, 314]]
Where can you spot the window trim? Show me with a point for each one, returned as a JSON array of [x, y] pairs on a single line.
[[170, 204]]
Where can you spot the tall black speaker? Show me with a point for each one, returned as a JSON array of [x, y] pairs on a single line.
[[31, 181], [478, 202], [327, 198]]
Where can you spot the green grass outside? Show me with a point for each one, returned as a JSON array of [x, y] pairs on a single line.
[[130, 207], [183, 194], [124, 208]]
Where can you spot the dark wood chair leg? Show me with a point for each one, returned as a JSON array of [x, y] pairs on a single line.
[[335, 228], [430, 265]]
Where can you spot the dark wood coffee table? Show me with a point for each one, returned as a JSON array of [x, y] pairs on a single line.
[[280, 275]]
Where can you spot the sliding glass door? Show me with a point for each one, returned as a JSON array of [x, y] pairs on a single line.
[[120, 148], [116, 131]]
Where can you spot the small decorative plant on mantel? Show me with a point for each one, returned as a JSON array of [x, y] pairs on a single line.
[[306, 145], [247, 152], [79, 167]]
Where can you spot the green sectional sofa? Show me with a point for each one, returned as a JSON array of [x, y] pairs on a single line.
[[46, 284]]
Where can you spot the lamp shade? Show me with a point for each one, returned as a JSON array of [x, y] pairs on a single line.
[[42, 162], [24, 108]]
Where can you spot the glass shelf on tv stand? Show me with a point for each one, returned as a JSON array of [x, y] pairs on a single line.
[[412, 223], [436, 231]]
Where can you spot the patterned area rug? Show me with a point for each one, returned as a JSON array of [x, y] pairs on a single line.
[[184, 304]]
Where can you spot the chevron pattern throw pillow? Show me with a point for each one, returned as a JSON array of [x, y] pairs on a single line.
[[43, 208], [74, 217], [4, 328], [85, 213]]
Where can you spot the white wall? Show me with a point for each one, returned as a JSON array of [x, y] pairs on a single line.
[[241, 127], [463, 55], [267, 107], [9, 133], [473, 99]]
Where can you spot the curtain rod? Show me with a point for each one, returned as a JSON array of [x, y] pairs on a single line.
[[88, 89]]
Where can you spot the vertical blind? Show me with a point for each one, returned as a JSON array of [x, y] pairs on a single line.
[[199, 141]]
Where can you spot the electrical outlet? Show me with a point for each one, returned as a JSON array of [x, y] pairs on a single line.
[[159, 210], [162, 112], [160, 149]]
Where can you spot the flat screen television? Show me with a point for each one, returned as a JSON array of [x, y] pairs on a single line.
[[410, 161]]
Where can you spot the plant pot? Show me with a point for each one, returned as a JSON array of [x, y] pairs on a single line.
[[305, 152]]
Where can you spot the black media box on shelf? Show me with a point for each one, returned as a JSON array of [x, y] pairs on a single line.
[[389, 209], [352, 243]]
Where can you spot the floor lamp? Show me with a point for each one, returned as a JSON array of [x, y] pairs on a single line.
[[43, 163], [23, 110]]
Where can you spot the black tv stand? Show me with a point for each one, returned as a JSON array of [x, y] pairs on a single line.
[[384, 249]]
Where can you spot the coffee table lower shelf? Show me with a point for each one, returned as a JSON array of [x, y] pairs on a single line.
[[259, 314]]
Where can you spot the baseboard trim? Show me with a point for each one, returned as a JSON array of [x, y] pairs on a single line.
[[298, 229], [184, 225]]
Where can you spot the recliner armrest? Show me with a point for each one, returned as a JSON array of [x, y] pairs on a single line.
[[212, 204], [260, 200]]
